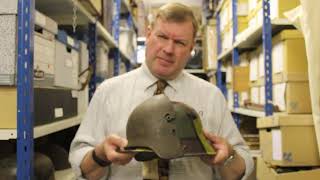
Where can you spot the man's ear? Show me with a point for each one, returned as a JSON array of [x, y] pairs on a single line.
[[149, 30], [192, 46]]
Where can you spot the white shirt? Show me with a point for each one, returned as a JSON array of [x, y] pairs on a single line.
[[116, 98]]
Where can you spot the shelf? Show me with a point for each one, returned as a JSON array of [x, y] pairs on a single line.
[[67, 174], [62, 12], [248, 112], [125, 56], [251, 37], [225, 54], [42, 130]]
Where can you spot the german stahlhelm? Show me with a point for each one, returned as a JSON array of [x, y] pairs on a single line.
[[160, 128]]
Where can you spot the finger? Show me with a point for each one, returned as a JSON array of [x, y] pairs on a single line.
[[218, 158], [117, 141], [213, 138]]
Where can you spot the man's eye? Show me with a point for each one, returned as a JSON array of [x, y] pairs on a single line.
[[162, 37], [180, 43]]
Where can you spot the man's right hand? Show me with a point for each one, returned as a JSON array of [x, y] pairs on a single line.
[[107, 150]]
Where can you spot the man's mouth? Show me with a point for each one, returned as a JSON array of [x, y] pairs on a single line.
[[165, 61]]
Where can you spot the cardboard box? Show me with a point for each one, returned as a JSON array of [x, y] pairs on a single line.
[[254, 94], [277, 8], [93, 6], [241, 78], [283, 140], [209, 46], [44, 59], [66, 62], [83, 95], [8, 107], [102, 59], [229, 72], [265, 172], [289, 97], [107, 16], [8, 49], [243, 97], [254, 67], [289, 56], [45, 29], [59, 104]]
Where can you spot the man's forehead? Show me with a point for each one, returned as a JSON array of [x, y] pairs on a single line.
[[173, 29]]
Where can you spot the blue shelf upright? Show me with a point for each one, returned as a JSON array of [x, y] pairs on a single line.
[[235, 56], [92, 34], [25, 109], [220, 82], [116, 34], [267, 51]]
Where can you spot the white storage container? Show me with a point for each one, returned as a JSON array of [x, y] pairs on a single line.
[[102, 60], [43, 43], [66, 62]]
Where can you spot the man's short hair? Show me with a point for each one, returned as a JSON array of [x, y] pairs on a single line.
[[176, 12]]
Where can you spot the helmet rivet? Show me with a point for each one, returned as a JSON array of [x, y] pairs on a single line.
[[168, 117], [173, 131]]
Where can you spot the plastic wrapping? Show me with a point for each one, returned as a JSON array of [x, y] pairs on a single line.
[[306, 18]]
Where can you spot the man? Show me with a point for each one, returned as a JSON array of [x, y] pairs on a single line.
[[170, 40]]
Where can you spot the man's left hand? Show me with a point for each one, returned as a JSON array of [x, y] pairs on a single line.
[[223, 150]]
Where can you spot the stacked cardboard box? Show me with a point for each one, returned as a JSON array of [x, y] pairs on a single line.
[[209, 46], [290, 74], [226, 25], [285, 153]]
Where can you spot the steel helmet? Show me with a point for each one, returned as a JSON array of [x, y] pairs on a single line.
[[43, 167], [160, 128]]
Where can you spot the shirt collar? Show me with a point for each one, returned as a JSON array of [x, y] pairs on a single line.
[[149, 79]]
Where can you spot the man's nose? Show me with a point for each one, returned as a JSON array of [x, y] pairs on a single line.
[[169, 47]]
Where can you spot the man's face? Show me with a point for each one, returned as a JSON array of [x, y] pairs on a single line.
[[168, 48]]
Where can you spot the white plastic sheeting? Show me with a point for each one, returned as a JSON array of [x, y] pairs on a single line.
[[306, 19]]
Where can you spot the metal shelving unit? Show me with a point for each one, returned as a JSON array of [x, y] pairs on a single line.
[[43, 130], [62, 12], [251, 37], [249, 40], [25, 111]]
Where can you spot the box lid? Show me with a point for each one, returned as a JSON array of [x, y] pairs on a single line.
[[285, 120], [46, 22], [63, 37], [287, 34], [9, 7]]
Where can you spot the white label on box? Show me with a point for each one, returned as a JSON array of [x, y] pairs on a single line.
[[70, 41], [274, 9], [254, 69], [68, 63], [280, 95], [262, 95], [58, 112], [229, 73], [254, 93], [40, 19], [242, 9], [278, 58], [276, 145]]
